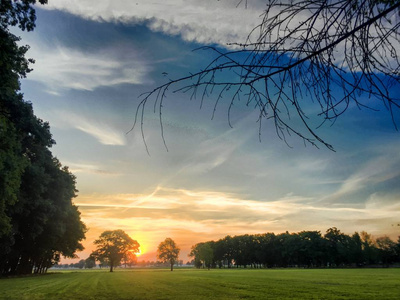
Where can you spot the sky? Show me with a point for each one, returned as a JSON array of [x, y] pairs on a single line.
[[93, 61]]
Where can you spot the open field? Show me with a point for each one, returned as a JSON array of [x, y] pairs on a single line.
[[204, 284]]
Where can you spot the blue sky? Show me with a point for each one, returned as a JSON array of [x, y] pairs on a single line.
[[93, 61]]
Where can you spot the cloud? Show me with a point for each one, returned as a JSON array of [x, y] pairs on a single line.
[[211, 154], [206, 21], [191, 216], [89, 168], [379, 168], [224, 213], [102, 132], [61, 68]]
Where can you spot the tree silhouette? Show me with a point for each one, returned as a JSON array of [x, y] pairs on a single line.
[[204, 253], [168, 251], [305, 249], [304, 65], [112, 247]]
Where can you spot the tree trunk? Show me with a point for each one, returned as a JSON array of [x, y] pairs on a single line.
[[172, 267], [111, 267]]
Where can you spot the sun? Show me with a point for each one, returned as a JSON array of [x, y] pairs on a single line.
[[138, 253]]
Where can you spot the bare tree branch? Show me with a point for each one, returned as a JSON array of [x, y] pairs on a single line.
[[334, 54]]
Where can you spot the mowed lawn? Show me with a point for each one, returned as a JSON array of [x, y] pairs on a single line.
[[204, 284]]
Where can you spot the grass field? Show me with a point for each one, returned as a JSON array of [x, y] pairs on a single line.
[[204, 284]]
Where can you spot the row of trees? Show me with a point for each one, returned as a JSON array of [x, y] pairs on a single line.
[[88, 263], [302, 249], [38, 222]]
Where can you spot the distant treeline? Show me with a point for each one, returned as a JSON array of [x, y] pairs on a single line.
[[302, 249], [90, 264]]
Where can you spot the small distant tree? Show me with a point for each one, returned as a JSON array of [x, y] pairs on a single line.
[[168, 251], [90, 263], [112, 246], [81, 264]]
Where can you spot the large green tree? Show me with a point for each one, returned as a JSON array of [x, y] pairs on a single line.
[[38, 221], [168, 252], [16, 116], [113, 246]]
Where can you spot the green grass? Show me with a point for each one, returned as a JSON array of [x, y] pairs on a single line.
[[203, 284]]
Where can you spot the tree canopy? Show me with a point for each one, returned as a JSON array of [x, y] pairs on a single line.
[[304, 65], [203, 254], [18, 12], [301, 249], [38, 221], [113, 246], [168, 251]]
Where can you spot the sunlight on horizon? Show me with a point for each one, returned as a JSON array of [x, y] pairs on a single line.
[[190, 217]]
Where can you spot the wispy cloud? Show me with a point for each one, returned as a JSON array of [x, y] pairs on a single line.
[[380, 166], [97, 169], [104, 133], [61, 68]]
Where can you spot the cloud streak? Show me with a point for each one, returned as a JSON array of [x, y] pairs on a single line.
[[184, 214], [380, 167], [61, 68], [205, 22], [101, 131]]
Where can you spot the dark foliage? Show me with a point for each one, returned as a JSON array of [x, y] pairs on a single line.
[[38, 222], [113, 246], [303, 249]]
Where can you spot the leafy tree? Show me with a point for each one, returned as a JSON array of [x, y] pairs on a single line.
[[12, 165], [18, 12], [15, 119], [203, 253], [38, 222], [387, 250], [268, 252], [304, 65], [45, 223], [81, 264], [369, 250], [337, 243], [227, 247], [168, 252], [112, 246], [311, 250], [302, 249], [90, 263], [219, 251]]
